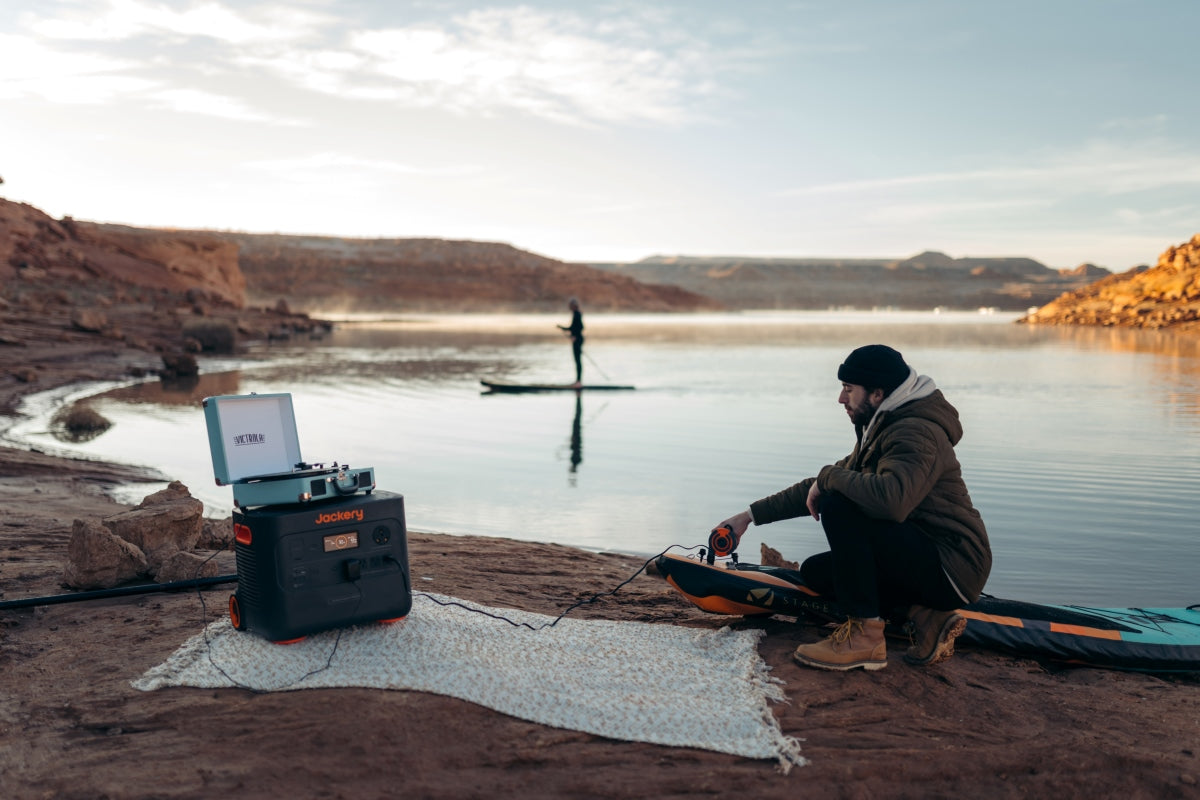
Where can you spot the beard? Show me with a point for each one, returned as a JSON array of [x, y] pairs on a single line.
[[861, 414]]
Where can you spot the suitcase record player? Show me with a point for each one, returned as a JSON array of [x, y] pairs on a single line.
[[255, 448]]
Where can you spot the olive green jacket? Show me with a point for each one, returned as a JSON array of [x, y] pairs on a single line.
[[904, 469]]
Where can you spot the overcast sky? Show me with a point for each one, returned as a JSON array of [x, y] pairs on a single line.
[[1063, 130]]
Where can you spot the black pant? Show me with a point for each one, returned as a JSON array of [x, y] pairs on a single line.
[[874, 566], [577, 350]]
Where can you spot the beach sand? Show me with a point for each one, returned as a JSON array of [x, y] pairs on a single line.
[[980, 725]]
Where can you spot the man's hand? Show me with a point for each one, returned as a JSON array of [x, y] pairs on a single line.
[[814, 495], [737, 524]]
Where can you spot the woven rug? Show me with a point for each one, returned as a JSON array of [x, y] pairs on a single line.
[[633, 681]]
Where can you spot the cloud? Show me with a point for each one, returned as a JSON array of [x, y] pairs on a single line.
[[1097, 167], [560, 67], [118, 20], [29, 68], [909, 213], [319, 165], [195, 101], [563, 66]]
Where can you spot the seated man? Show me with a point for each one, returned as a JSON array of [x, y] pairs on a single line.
[[902, 531]]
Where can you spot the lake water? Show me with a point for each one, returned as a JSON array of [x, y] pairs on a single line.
[[1082, 445]]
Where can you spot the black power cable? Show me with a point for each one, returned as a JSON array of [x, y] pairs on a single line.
[[119, 591], [569, 608]]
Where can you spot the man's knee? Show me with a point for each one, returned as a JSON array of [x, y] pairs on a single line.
[[836, 509], [817, 573]]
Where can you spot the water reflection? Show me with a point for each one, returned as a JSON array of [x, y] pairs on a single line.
[[576, 437], [187, 391]]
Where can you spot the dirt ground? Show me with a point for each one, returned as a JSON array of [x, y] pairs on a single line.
[[980, 725]]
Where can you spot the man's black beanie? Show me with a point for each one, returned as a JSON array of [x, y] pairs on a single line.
[[875, 366]]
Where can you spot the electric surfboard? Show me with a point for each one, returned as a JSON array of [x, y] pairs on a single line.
[[516, 388], [1141, 639]]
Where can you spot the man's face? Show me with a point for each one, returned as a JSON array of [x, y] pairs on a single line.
[[859, 404]]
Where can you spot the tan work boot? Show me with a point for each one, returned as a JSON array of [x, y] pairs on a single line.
[[854, 643], [932, 633]]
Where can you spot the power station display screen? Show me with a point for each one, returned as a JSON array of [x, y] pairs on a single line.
[[340, 541]]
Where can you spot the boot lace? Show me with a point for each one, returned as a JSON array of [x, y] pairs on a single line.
[[910, 628], [842, 633]]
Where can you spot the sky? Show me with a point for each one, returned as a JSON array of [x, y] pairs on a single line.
[[1067, 131]]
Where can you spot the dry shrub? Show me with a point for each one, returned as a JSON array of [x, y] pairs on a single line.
[[79, 423], [214, 336]]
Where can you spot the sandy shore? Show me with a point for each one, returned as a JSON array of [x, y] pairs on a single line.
[[980, 725]]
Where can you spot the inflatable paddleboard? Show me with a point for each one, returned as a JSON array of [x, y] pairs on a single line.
[[1142, 639], [511, 388]]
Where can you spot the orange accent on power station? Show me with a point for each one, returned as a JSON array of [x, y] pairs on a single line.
[[235, 612], [291, 641], [241, 534], [391, 620]]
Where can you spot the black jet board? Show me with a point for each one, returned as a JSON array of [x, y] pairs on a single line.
[[512, 388]]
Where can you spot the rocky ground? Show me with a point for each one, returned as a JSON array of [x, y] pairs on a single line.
[[979, 725]]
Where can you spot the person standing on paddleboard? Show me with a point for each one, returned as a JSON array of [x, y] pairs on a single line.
[[575, 329], [903, 534]]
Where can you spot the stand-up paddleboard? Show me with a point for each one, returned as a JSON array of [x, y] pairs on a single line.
[[1144, 639], [512, 388]]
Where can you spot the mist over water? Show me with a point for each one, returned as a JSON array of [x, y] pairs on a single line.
[[1082, 446]]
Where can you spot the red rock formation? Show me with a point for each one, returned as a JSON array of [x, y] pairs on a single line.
[[326, 274], [925, 281], [121, 301], [1164, 296], [1087, 270], [37, 249]]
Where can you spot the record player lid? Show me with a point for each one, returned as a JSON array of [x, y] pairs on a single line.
[[251, 436]]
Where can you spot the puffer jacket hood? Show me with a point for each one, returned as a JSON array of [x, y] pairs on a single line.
[[926, 402]]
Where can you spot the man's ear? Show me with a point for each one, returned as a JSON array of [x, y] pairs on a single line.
[[876, 397]]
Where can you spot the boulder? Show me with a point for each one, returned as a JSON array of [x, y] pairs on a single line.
[[212, 336], [99, 559], [216, 534], [183, 566], [180, 365], [89, 320], [163, 524]]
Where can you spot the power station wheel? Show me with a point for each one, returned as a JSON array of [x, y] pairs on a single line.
[[235, 613]]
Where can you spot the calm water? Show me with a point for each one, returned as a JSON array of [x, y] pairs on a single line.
[[1082, 446]]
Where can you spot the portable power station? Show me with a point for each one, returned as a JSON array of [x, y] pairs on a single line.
[[305, 568]]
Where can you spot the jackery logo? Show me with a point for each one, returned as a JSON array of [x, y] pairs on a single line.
[[340, 516]]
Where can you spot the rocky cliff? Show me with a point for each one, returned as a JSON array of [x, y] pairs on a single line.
[[120, 301], [327, 274], [38, 251], [1166, 295], [925, 281], [82, 268]]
